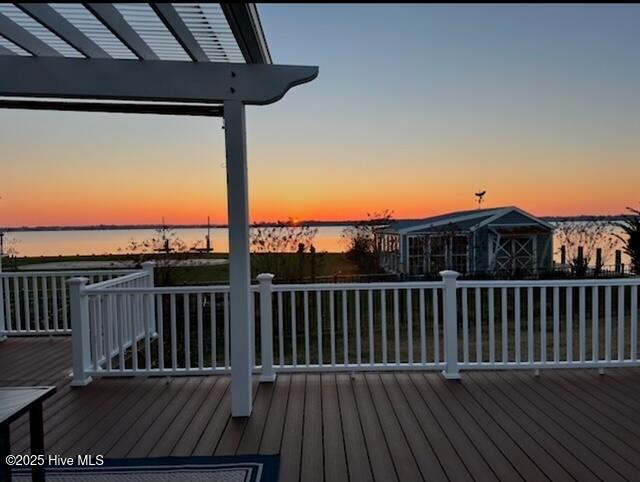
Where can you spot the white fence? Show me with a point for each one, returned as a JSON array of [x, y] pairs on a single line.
[[127, 327], [37, 302]]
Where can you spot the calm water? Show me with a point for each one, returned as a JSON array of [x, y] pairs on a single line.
[[69, 243]]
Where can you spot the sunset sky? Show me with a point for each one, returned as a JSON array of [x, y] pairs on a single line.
[[415, 108]]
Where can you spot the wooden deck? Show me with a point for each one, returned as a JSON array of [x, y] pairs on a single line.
[[563, 425]]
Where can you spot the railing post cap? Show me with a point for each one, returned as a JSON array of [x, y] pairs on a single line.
[[78, 280], [449, 274], [265, 277], [148, 264]]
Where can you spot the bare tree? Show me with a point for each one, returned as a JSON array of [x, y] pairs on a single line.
[[582, 239], [631, 240], [164, 247], [284, 249], [360, 242]]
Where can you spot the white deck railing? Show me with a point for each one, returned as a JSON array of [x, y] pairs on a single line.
[[37, 302], [447, 325]]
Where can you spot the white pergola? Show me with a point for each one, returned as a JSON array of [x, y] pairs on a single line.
[[204, 59]]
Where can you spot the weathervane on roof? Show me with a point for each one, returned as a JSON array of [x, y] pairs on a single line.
[[480, 195]]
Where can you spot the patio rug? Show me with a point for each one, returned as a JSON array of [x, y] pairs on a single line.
[[244, 468]]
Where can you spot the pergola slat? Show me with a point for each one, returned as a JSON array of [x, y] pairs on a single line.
[[6, 51], [113, 20], [64, 29], [180, 31], [25, 39], [245, 24]]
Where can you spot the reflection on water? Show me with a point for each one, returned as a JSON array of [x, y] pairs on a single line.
[[69, 243]]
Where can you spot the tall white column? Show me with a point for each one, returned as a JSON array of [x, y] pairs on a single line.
[[239, 261]]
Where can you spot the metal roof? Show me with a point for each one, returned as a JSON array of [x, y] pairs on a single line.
[[469, 220], [198, 32]]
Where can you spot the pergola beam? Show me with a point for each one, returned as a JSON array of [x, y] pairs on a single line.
[[111, 18], [150, 81], [25, 39], [118, 108], [172, 20], [50, 18]]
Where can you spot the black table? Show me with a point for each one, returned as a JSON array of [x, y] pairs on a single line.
[[15, 402]]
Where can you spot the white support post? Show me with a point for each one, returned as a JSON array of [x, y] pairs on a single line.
[[266, 328], [239, 261], [3, 325], [450, 324], [80, 345], [149, 268]]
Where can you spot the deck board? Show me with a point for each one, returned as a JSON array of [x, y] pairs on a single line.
[[563, 425]]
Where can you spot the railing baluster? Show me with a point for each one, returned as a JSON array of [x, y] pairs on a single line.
[[492, 326], [25, 299], [396, 325], [7, 304], [16, 304], [556, 324], [465, 325], [186, 309], [358, 330], [54, 301], [319, 324], [543, 324], [174, 331], [595, 324], [36, 305], [65, 306], [383, 309], [372, 355], [332, 327], [307, 347], [530, 324], [147, 303], [200, 332], [280, 329], [582, 323], [294, 334], [409, 327], [108, 333], [569, 316], [345, 329], [214, 337], [226, 330], [133, 300], [517, 325], [436, 326], [45, 304], [504, 316], [633, 342], [120, 328], [160, 324], [478, 318], [423, 326], [621, 322], [607, 323]]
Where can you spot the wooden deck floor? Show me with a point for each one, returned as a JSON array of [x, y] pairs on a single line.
[[564, 425]]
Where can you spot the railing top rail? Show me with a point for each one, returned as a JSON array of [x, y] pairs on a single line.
[[114, 282], [550, 283], [161, 290], [358, 286], [94, 272]]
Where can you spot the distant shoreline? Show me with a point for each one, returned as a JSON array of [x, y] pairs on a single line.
[[123, 227]]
